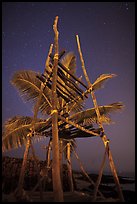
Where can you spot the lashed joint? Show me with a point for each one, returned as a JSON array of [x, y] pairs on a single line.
[[53, 111], [56, 56]]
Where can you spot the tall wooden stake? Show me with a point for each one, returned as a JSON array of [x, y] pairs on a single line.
[[38, 171], [85, 173], [18, 192], [99, 177], [69, 167], [104, 137], [61, 159], [57, 186]]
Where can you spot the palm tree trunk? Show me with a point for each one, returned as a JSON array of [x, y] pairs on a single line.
[[38, 172], [23, 167], [104, 137], [57, 186], [60, 159], [69, 167]]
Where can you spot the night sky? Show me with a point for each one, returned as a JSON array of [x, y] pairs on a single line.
[[107, 34]]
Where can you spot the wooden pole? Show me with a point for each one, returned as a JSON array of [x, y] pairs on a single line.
[[61, 158], [85, 173], [69, 167], [78, 126], [38, 171], [57, 186], [104, 137], [19, 189], [99, 177], [48, 154], [28, 144], [48, 59]]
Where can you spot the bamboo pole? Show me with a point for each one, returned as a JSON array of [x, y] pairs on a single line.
[[57, 186], [104, 137]]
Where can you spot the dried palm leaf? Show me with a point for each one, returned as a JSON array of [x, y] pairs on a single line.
[[82, 116], [16, 130], [69, 61], [76, 106], [29, 87], [99, 83]]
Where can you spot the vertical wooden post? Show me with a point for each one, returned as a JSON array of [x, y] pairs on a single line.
[[48, 154], [69, 167], [36, 109], [60, 158], [23, 168], [104, 137], [38, 172], [57, 186]]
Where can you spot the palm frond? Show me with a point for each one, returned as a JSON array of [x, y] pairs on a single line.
[[90, 116], [16, 130], [75, 107], [99, 83], [29, 87], [69, 61]]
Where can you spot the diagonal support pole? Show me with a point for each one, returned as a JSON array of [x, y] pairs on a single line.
[[99, 176], [85, 173], [104, 137]]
